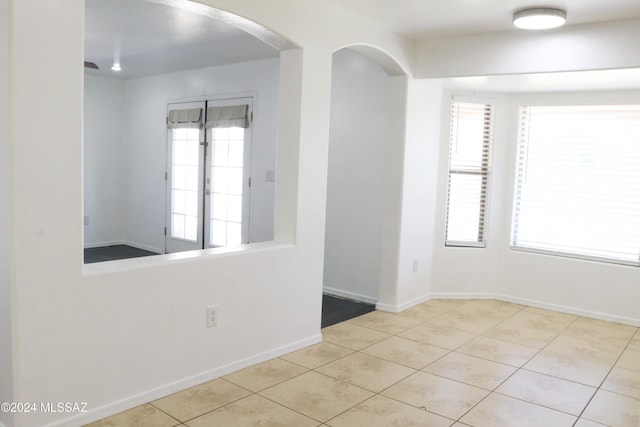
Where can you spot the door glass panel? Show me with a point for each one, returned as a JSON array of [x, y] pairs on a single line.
[[191, 228], [236, 148], [185, 184], [234, 233], [218, 233], [227, 184], [234, 210]]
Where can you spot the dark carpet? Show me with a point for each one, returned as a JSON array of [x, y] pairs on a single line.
[[336, 310], [110, 253]]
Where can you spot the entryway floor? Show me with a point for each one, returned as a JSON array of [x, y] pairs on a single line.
[[336, 309]]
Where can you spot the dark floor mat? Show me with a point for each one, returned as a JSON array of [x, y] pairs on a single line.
[[110, 253], [336, 310]]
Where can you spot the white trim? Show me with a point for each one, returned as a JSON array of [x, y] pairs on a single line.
[[473, 99], [217, 97], [401, 307], [571, 310], [539, 304], [101, 244], [550, 252], [167, 389], [463, 244], [463, 295], [350, 295], [159, 251]]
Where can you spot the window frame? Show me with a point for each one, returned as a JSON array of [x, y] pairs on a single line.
[[485, 171], [554, 101]]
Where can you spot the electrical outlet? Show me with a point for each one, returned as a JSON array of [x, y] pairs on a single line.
[[415, 265], [212, 316]]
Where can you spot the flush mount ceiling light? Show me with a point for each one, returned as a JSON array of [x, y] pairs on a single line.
[[541, 18]]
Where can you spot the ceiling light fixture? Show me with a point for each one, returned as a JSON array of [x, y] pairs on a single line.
[[542, 18], [116, 66]]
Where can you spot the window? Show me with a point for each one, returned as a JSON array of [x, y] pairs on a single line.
[[578, 182], [469, 163]]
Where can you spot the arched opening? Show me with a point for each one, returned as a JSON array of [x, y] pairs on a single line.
[[364, 177], [176, 55]]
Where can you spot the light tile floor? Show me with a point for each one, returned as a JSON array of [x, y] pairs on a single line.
[[442, 363]]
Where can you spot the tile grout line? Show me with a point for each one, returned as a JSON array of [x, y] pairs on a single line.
[[215, 409], [449, 351], [506, 379], [380, 358], [521, 367], [626, 347], [579, 416], [561, 332], [164, 412]]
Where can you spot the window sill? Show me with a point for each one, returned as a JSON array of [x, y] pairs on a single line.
[[575, 256]]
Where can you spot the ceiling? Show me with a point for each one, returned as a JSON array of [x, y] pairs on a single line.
[[420, 19], [148, 37]]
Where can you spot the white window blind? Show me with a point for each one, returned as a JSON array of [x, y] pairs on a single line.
[[469, 163], [578, 182], [185, 118], [227, 116]]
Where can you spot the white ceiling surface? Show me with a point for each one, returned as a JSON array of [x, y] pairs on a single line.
[[421, 19], [150, 38]]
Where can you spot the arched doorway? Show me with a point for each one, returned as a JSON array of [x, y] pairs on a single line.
[[364, 175]]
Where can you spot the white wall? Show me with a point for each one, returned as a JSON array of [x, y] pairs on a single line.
[[360, 132], [117, 334], [145, 142], [104, 161], [595, 289], [415, 253], [6, 345]]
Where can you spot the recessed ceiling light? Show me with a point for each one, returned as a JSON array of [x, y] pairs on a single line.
[[539, 18], [116, 67]]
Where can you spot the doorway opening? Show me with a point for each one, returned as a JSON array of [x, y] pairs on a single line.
[[364, 176]]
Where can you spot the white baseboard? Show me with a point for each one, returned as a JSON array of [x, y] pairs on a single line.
[[539, 304], [463, 295], [167, 389], [101, 244], [144, 247], [571, 310], [350, 295], [404, 306]]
